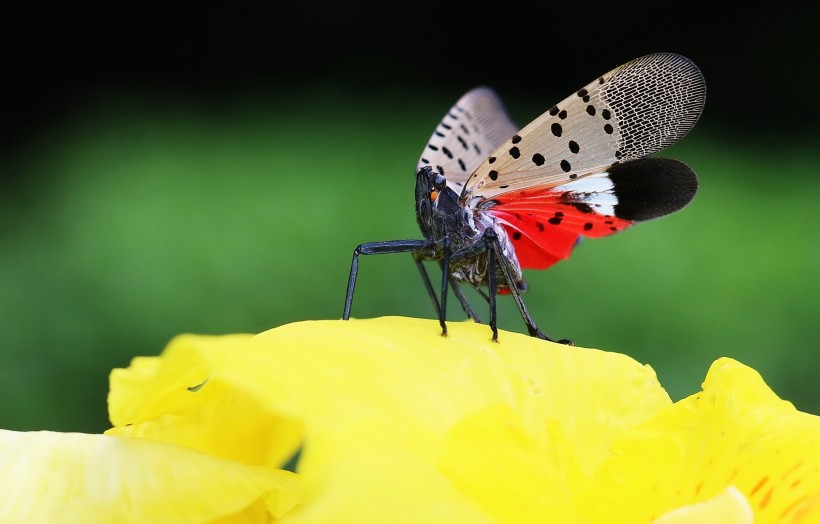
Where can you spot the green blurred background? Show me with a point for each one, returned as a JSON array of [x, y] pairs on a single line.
[[211, 172]]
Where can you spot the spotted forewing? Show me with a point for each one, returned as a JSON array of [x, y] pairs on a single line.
[[473, 129], [574, 170], [493, 199]]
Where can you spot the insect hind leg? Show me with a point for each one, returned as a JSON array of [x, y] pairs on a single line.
[[494, 248]]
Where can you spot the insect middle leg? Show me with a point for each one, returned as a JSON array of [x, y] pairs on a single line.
[[439, 304], [465, 305], [453, 284]]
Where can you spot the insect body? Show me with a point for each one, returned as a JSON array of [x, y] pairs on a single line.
[[492, 200]]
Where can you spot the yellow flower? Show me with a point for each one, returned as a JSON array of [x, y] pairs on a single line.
[[394, 423], [387, 421]]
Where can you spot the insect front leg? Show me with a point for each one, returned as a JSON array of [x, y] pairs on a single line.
[[376, 248]]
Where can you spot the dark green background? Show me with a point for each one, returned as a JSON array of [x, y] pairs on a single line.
[[211, 172]]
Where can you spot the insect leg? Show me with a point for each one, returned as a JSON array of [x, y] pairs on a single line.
[[376, 248], [482, 293], [425, 277], [440, 306], [478, 248], [454, 285], [491, 283], [465, 305], [445, 265], [428, 285], [495, 250]]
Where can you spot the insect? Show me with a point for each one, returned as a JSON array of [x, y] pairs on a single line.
[[493, 200]]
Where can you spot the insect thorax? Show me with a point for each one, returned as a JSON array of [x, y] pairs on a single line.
[[475, 270], [441, 214]]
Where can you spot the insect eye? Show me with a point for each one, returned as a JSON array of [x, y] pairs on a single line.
[[439, 182]]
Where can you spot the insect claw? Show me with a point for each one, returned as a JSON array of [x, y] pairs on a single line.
[[537, 333]]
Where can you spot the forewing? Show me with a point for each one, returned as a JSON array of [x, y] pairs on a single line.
[[633, 111], [474, 127]]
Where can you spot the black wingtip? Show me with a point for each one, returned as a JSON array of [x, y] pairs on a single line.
[[652, 187]]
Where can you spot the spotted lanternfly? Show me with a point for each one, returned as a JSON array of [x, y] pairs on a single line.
[[492, 200]]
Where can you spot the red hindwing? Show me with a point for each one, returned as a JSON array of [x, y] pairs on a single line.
[[543, 229]]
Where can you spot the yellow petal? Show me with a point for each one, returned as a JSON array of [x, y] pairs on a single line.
[[775, 449], [165, 399], [72, 477], [736, 432], [729, 507], [400, 424], [396, 417]]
